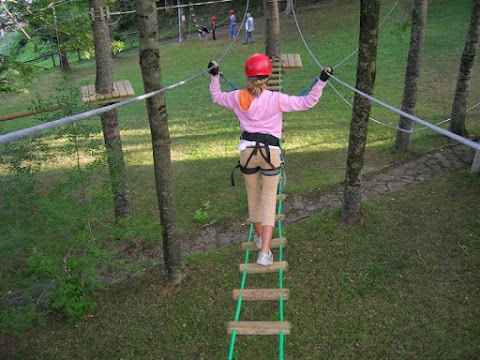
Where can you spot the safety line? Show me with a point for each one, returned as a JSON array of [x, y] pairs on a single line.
[[238, 31], [14, 135], [379, 26], [440, 130], [354, 52]]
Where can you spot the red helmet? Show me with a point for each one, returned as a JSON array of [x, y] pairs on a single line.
[[258, 65], [214, 17], [232, 11]]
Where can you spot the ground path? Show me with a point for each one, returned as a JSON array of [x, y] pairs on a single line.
[[396, 177]]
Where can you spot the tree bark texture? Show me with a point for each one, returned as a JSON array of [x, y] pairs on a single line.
[[272, 29], [64, 61], [289, 8], [110, 126], [366, 71], [403, 140], [157, 114], [459, 107]]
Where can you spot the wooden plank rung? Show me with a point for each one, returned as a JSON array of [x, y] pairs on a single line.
[[259, 327], [274, 82], [291, 61], [274, 88], [275, 244], [253, 268], [261, 294], [122, 90]]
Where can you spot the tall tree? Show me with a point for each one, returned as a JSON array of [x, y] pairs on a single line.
[[110, 126], [366, 71], [403, 140], [272, 28], [457, 118], [157, 115]]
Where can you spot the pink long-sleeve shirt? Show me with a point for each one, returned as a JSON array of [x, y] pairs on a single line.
[[265, 112]]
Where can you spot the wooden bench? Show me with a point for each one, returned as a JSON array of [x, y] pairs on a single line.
[[122, 90]]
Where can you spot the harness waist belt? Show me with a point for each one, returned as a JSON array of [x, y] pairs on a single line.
[[266, 139]]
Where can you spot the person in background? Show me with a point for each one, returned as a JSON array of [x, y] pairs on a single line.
[[202, 31], [259, 112], [233, 23], [214, 26], [249, 27]]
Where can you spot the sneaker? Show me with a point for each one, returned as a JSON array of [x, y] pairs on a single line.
[[265, 259], [258, 241]]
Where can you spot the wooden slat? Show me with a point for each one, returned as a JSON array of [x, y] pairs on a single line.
[[259, 327], [253, 268], [275, 244], [274, 88], [128, 88], [274, 82], [298, 61], [118, 90], [121, 90], [261, 294], [291, 61], [278, 217]]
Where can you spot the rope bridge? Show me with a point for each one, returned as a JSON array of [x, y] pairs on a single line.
[[281, 327]]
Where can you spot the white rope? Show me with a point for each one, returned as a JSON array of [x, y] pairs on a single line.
[[60, 122], [379, 26], [440, 130], [321, 66], [238, 31], [416, 119]]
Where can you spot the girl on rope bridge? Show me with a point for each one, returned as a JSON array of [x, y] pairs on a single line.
[[259, 112]]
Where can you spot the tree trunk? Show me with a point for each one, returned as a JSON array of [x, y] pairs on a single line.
[[403, 140], [64, 60], [289, 8], [459, 107], [110, 127], [366, 70], [157, 114], [272, 29]]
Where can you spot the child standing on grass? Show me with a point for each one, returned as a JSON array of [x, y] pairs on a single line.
[[233, 24], [259, 112], [214, 26]]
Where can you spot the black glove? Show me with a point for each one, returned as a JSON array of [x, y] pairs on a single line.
[[213, 70], [323, 75]]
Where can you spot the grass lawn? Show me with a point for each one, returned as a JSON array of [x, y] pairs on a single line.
[[402, 284]]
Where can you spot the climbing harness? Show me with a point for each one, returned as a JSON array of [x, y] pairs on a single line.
[[262, 147]]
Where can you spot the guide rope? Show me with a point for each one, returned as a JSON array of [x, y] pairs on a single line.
[[416, 119]]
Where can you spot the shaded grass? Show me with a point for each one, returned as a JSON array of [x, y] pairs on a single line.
[[403, 284]]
